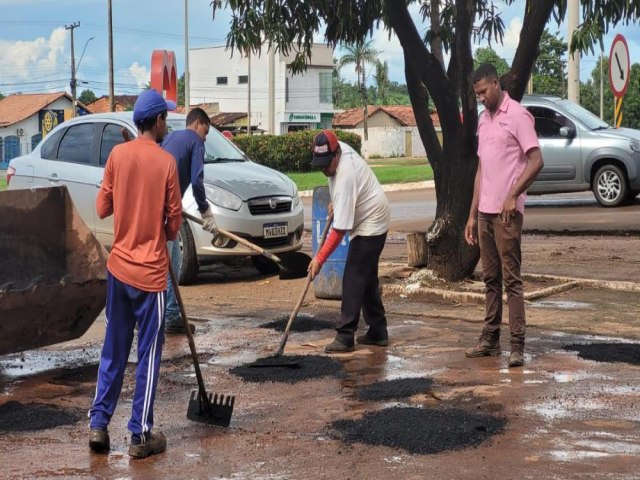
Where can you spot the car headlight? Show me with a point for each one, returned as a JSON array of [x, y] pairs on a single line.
[[634, 145], [222, 198], [296, 196]]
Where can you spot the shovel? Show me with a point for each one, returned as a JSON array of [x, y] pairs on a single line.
[[291, 264], [203, 407], [267, 361]]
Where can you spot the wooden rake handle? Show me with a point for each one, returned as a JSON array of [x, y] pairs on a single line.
[[240, 240], [305, 289]]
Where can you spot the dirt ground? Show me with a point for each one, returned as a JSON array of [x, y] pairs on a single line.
[[417, 409]]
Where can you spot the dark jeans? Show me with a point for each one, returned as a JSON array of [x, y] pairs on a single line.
[[360, 290], [500, 252]]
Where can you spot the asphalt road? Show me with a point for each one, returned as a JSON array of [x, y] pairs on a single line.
[[414, 210]]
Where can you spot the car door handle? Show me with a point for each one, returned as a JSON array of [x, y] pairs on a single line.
[[54, 178]]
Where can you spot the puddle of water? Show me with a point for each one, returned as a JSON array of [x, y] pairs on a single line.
[[576, 455], [563, 304], [38, 361]]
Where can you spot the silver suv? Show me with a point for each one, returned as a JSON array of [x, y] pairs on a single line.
[[248, 199], [581, 152]]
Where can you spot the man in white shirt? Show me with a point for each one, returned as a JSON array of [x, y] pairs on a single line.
[[360, 207]]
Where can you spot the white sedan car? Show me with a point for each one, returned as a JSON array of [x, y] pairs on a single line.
[[248, 199]]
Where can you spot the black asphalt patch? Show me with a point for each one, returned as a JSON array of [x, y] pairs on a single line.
[[18, 417], [420, 430], [75, 375], [302, 323], [300, 368], [608, 352], [392, 389]]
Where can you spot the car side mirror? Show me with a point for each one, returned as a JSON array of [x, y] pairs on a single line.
[[567, 132]]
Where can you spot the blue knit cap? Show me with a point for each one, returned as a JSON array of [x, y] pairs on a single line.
[[150, 104]]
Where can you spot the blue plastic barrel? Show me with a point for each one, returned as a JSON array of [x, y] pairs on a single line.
[[328, 283]]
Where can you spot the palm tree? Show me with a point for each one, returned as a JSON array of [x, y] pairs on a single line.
[[382, 81], [359, 54]]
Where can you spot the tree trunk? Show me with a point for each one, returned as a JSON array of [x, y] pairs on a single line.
[[417, 250], [454, 162]]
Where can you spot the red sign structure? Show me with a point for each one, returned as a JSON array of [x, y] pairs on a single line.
[[163, 74]]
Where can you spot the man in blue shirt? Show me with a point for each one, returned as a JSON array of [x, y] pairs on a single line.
[[187, 146]]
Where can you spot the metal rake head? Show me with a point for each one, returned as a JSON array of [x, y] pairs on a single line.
[[211, 409]]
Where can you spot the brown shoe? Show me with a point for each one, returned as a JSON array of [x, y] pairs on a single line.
[[155, 443], [99, 441], [516, 359], [488, 346], [338, 347]]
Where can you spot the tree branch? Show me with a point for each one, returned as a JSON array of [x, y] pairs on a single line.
[[464, 59], [536, 16]]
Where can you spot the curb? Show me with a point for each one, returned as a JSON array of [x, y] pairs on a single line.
[[391, 187]]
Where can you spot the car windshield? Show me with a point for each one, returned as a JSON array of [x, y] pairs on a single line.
[[589, 120], [217, 147]]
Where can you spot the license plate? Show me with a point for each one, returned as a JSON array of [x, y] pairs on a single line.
[[275, 230]]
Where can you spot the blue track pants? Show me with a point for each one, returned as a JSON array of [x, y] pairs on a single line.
[[126, 306]]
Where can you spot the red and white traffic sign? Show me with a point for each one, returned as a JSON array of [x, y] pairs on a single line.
[[619, 66]]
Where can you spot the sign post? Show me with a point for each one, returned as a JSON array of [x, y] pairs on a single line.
[[619, 72]]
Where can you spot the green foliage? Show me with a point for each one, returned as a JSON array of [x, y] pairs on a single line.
[[488, 55], [181, 90], [290, 152], [549, 69], [87, 96]]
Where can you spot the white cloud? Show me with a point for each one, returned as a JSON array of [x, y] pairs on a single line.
[[40, 62], [140, 74], [510, 41]]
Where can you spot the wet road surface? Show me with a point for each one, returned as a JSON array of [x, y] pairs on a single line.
[[415, 210], [560, 416]]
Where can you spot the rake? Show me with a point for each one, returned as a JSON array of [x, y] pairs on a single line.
[[213, 409]]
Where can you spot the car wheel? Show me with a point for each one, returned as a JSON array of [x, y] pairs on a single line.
[[264, 265], [610, 186], [189, 266]]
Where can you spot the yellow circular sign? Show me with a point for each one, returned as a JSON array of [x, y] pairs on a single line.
[[47, 122]]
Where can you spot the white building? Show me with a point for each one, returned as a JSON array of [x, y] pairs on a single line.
[[280, 103]]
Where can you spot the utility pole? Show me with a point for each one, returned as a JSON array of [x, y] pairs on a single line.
[[112, 100], [601, 87], [73, 82], [272, 91], [249, 94], [573, 17], [187, 100]]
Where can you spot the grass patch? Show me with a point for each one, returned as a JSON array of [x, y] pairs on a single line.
[[404, 171], [3, 183]]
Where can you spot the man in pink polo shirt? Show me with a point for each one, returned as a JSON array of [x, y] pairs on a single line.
[[509, 161]]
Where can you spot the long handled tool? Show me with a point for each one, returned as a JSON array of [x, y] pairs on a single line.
[[206, 408], [303, 294], [291, 264]]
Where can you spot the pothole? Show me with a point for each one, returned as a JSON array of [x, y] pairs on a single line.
[[607, 352], [289, 369], [18, 417], [303, 322], [420, 430], [393, 389]]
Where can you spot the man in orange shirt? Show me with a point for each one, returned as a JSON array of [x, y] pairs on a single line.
[[140, 189]]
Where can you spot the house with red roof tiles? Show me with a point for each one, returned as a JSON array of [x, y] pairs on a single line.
[[26, 118], [392, 129]]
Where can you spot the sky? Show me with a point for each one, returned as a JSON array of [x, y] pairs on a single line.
[[35, 46]]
